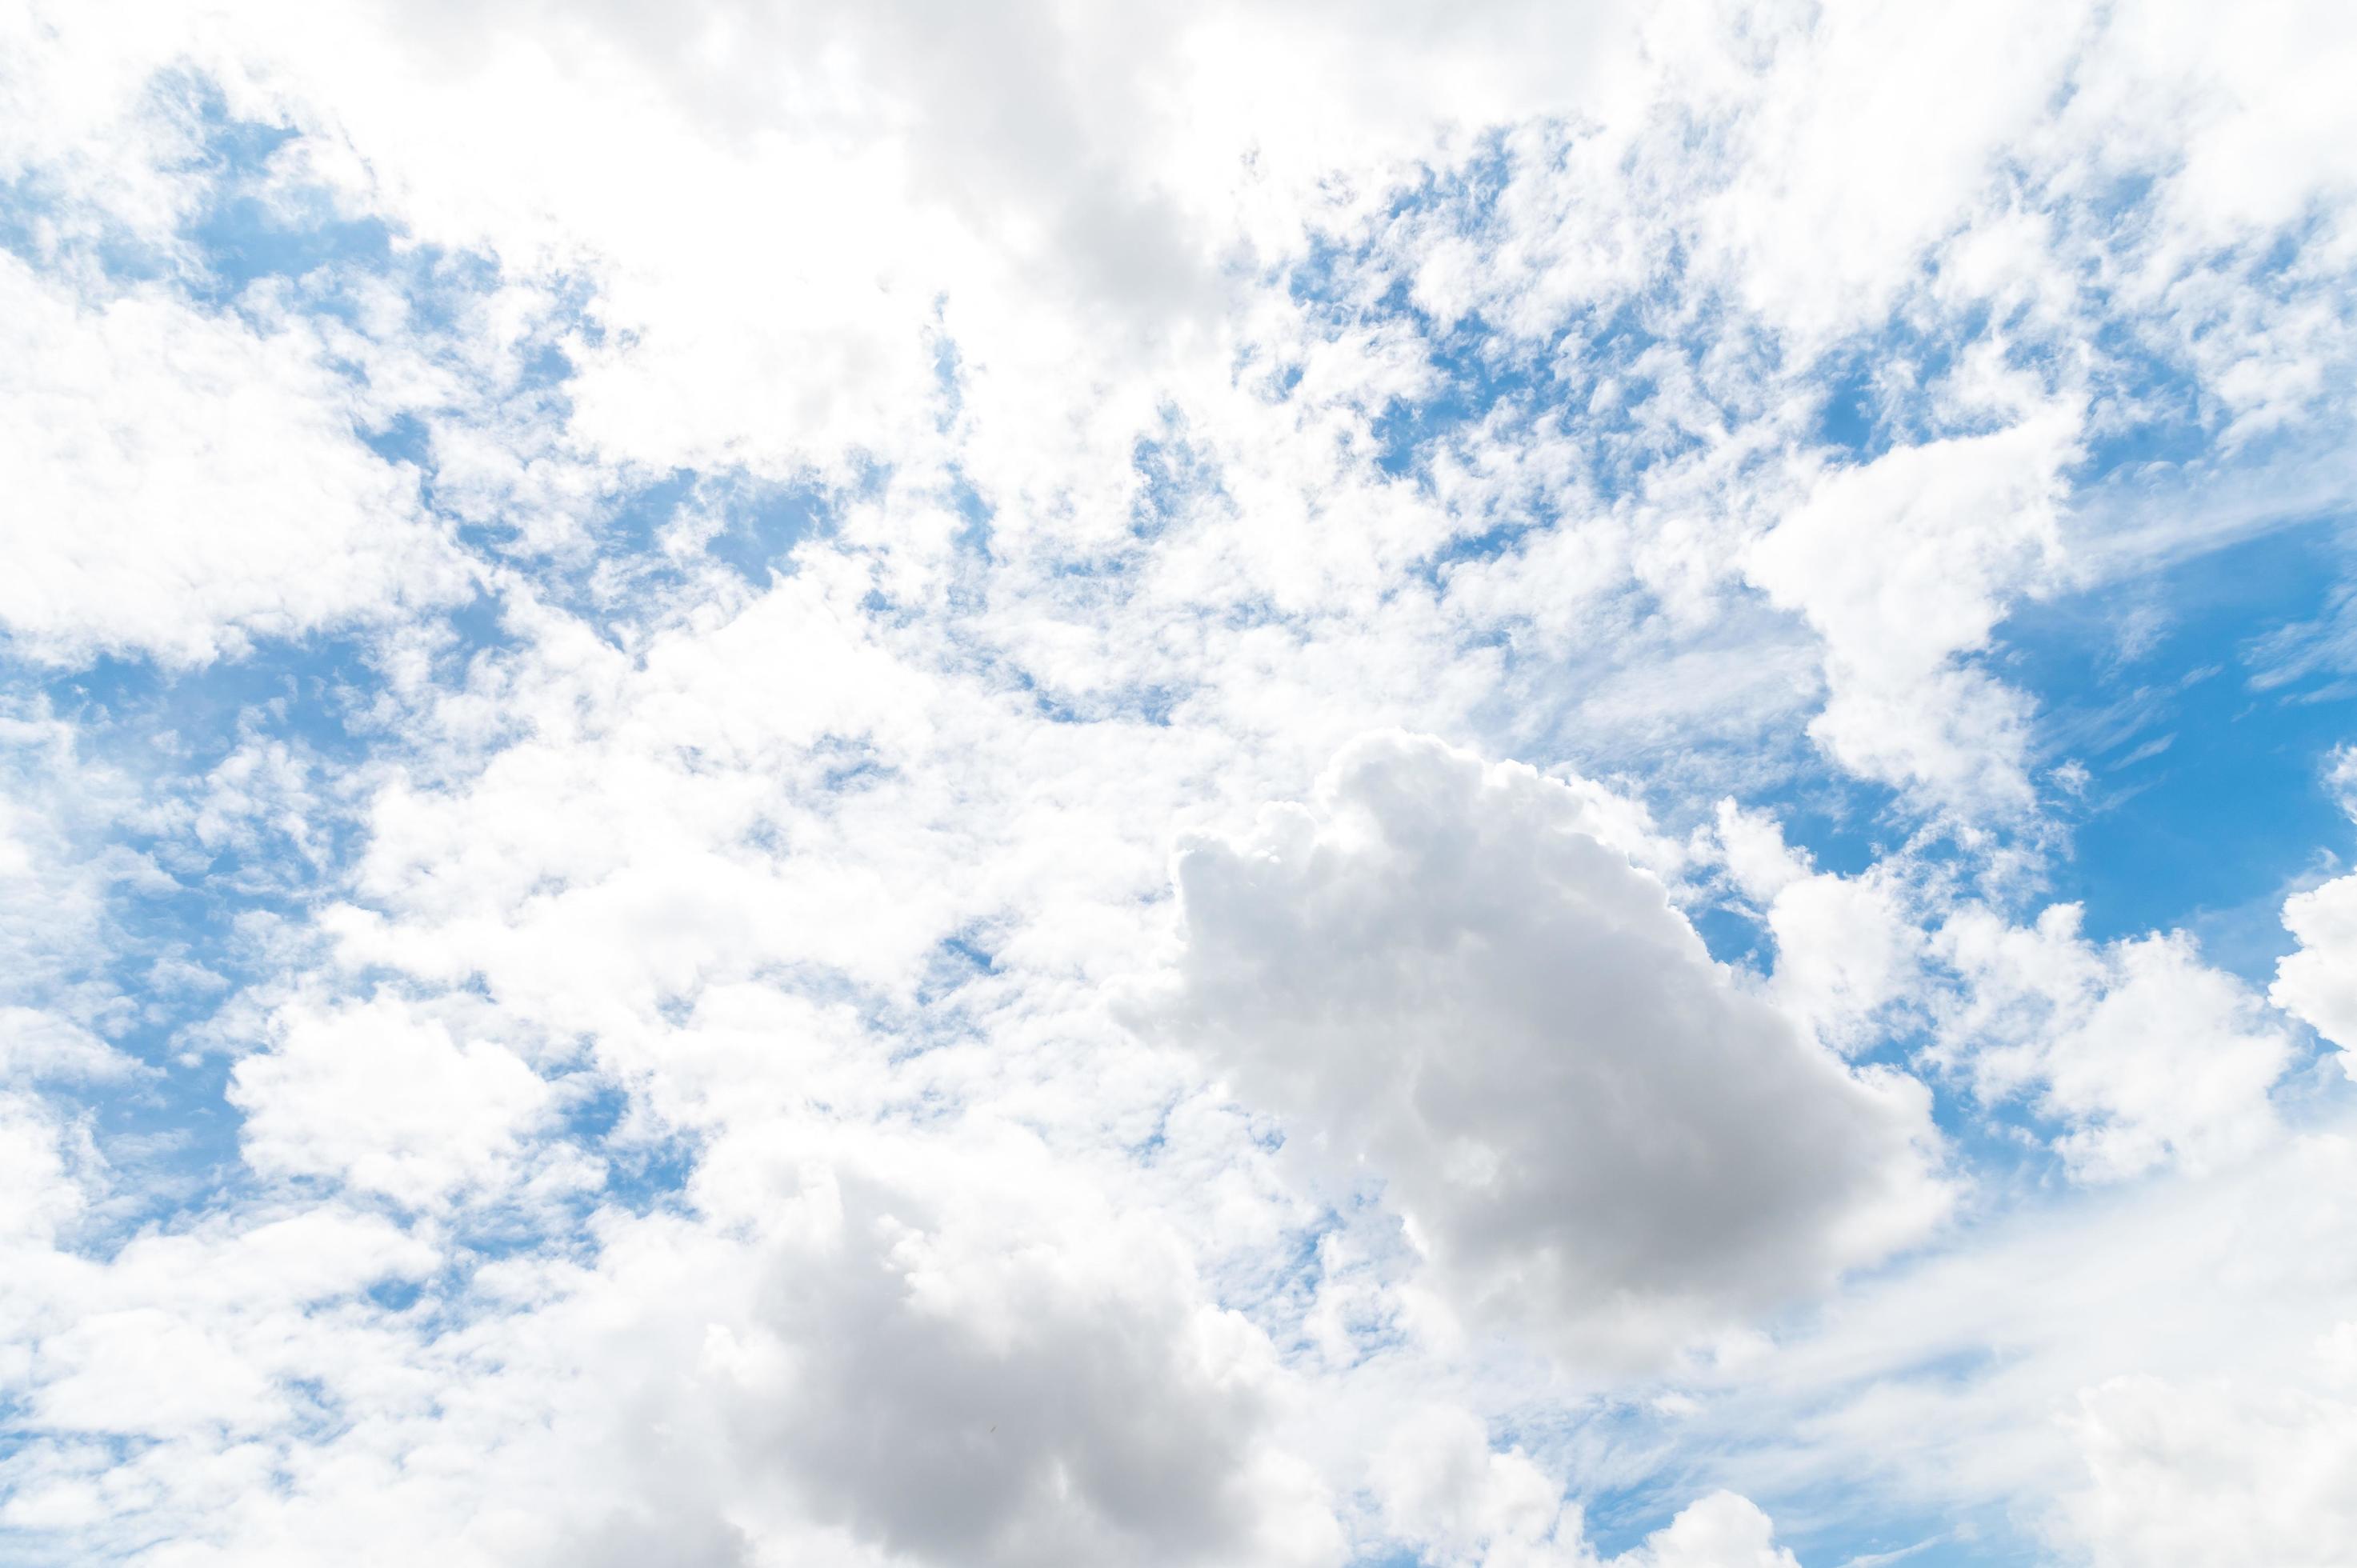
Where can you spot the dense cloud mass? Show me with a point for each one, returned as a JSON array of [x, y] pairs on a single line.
[[1450, 975], [1473, 786]]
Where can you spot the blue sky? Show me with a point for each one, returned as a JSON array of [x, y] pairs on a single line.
[[1533, 786]]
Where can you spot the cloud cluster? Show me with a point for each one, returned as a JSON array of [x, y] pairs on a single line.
[[2147, 1054], [644, 655]]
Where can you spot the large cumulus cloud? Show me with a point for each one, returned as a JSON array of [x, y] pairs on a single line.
[[1454, 976]]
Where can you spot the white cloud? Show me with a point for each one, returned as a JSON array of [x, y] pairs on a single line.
[[386, 1102], [1904, 565], [2217, 1472], [2318, 983], [1846, 947], [1454, 978], [1952, 1383], [1722, 1530], [178, 483], [41, 1194], [897, 1350], [2147, 1054], [1862, 150], [205, 1342], [35, 1044], [1446, 1488], [1467, 1505]]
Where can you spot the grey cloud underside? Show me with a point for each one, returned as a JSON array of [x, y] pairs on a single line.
[[931, 1372], [1084, 1426], [1445, 978]]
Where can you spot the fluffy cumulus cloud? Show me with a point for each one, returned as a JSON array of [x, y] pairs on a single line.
[[956, 1393], [2145, 1053], [1483, 785], [385, 1102], [1454, 978], [2318, 981], [1848, 949], [2315, 983], [1904, 564]]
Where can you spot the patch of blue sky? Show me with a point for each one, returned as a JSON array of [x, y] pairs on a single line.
[[651, 546], [309, 689], [165, 741], [761, 524], [1984, 1537], [644, 1174], [1592, 382], [1391, 1557], [1155, 704], [1845, 826], [1175, 476], [1283, 1293], [2322, 651], [322, 264], [1321, 278], [1830, 1531], [1475, 373], [958, 958], [948, 369], [251, 226], [245, 238], [1850, 419], [32, 217], [178, 942], [256, 222], [1670, 1456], [1881, 387], [2147, 409], [1335, 272], [1878, 389], [634, 523], [1353, 285], [231, 237], [170, 1141], [1467, 188], [974, 540], [2204, 798], [1735, 935]]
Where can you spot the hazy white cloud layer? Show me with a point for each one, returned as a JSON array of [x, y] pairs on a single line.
[[1498, 786]]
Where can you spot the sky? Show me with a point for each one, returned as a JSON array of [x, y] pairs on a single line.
[[1493, 785]]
